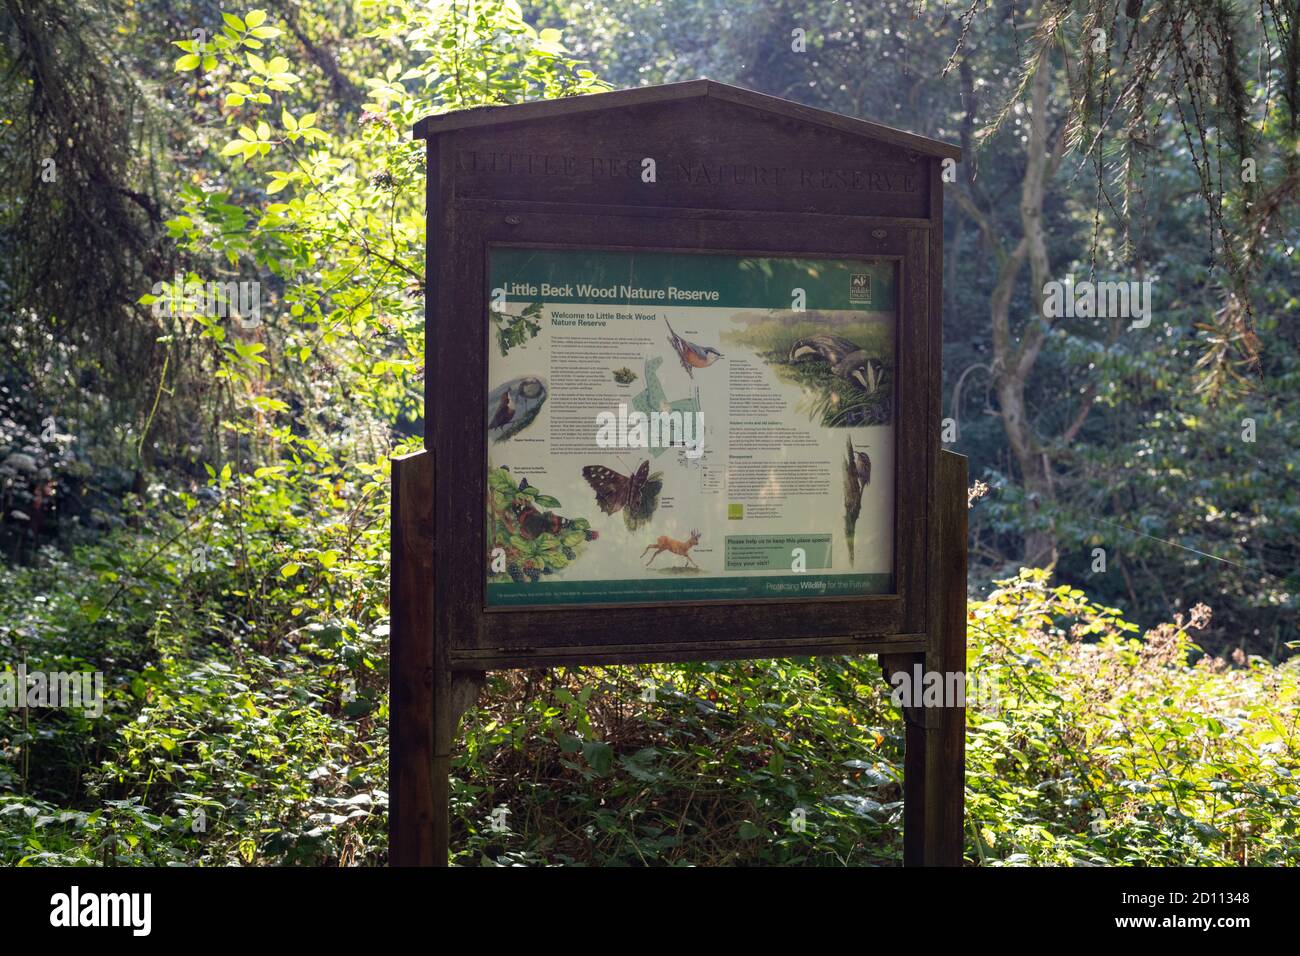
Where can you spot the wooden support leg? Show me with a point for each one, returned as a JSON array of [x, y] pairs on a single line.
[[426, 699], [915, 764], [945, 748], [934, 763], [454, 693], [418, 767]]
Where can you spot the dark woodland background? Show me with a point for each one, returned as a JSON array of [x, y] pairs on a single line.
[[198, 506]]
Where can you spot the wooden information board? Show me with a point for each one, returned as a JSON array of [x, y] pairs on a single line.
[[682, 402]]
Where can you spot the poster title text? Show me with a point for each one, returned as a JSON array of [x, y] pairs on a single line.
[[592, 293]]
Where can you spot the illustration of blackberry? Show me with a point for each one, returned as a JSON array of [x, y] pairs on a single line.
[[529, 526], [592, 535]]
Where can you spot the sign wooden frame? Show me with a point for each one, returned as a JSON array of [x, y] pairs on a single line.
[[828, 186]]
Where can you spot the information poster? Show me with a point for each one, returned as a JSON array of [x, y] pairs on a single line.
[[688, 427]]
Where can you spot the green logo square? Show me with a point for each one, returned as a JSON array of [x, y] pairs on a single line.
[[735, 512]]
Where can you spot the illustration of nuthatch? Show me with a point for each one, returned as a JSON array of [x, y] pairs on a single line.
[[693, 356]]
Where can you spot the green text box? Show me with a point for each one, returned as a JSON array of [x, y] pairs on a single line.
[[775, 552]]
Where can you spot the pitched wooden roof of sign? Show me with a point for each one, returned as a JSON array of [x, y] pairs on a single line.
[[432, 126]]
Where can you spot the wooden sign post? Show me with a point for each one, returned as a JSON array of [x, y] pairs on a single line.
[[682, 402]]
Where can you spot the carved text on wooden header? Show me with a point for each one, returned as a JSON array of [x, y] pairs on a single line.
[[594, 170]]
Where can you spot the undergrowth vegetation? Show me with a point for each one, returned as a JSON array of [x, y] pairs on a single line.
[[234, 734]]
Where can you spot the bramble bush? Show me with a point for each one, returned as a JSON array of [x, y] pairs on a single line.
[[1101, 746]]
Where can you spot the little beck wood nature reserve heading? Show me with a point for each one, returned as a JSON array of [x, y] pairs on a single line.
[[586, 291]]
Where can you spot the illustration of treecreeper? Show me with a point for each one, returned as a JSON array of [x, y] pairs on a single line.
[[857, 475]]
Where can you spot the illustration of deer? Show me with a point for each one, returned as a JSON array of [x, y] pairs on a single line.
[[681, 548]]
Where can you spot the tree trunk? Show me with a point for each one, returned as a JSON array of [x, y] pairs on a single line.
[[1013, 361]]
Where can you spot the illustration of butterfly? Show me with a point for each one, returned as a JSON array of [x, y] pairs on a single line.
[[636, 496]]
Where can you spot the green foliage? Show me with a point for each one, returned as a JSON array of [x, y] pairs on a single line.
[[251, 688], [243, 644], [229, 574], [243, 635], [1096, 747], [515, 330], [1110, 748], [708, 773]]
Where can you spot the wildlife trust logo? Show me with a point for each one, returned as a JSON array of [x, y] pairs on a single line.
[[860, 288], [635, 429]]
